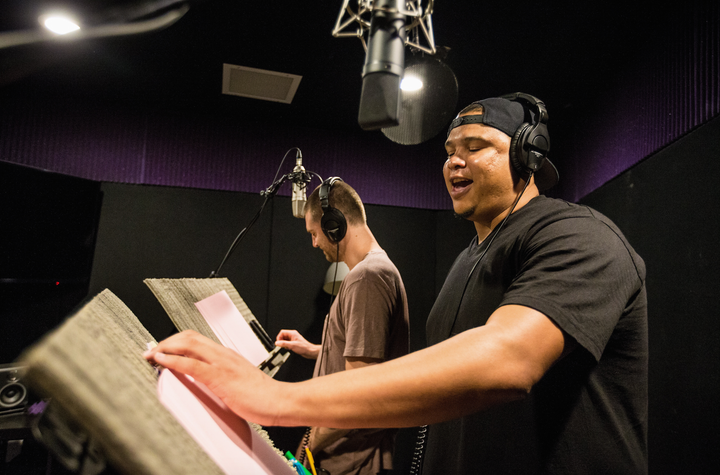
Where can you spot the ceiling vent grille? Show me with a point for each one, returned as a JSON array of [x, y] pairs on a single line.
[[259, 83]]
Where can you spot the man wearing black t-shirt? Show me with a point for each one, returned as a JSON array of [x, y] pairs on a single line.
[[538, 340], [569, 263]]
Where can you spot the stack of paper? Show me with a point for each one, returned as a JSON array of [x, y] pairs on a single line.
[[179, 298], [93, 371], [231, 328], [227, 438]]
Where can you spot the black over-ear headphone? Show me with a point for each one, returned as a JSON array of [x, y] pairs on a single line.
[[333, 222], [531, 142]]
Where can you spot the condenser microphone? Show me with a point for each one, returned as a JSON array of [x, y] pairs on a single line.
[[299, 197], [380, 102]]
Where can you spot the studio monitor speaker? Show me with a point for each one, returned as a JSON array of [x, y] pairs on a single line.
[[13, 393]]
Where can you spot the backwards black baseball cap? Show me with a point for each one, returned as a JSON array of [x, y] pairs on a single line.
[[508, 116]]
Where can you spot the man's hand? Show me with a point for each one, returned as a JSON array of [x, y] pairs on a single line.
[[294, 341], [479, 368], [246, 390]]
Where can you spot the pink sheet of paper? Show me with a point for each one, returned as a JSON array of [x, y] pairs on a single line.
[[226, 437], [231, 328]]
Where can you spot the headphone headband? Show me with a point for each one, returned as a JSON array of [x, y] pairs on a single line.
[[332, 223], [324, 191], [533, 101]]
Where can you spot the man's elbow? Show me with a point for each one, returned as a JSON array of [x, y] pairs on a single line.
[[518, 383], [519, 390]]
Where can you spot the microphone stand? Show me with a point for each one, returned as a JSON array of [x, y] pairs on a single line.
[[268, 193], [300, 178]]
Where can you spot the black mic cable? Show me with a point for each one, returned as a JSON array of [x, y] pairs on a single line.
[[422, 435], [268, 193], [487, 248]]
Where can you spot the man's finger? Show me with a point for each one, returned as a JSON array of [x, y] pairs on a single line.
[[192, 345], [181, 364]]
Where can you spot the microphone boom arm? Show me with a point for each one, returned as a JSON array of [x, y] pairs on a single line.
[[268, 193]]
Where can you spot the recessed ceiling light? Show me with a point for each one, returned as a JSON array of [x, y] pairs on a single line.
[[58, 23]]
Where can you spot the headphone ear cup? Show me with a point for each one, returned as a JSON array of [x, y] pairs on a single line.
[[333, 224], [518, 156]]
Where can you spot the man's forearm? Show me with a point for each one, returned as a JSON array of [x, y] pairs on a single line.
[[476, 369]]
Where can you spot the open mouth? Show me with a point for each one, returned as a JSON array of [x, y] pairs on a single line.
[[459, 184]]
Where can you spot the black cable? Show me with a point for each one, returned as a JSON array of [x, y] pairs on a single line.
[[487, 248], [306, 436], [337, 264], [499, 228], [417, 460], [327, 317], [303, 444], [268, 193], [240, 236], [283, 161]]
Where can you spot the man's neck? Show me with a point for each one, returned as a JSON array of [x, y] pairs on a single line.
[[484, 228], [360, 241]]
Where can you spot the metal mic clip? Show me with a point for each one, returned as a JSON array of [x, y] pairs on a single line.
[[299, 177]]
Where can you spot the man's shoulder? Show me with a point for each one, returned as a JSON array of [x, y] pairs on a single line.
[[376, 261], [555, 206], [375, 266], [581, 226], [542, 211]]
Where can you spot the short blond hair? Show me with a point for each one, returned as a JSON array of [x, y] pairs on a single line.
[[341, 197]]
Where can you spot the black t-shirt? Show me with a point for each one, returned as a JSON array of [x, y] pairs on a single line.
[[588, 414]]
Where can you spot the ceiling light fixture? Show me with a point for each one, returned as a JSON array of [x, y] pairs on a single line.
[[59, 23], [152, 17]]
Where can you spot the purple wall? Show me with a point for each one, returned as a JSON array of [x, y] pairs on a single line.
[[668, 91], [142, 147]]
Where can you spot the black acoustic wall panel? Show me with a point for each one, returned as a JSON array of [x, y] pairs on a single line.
[[667, 207], [165, 232], [48, 224]]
